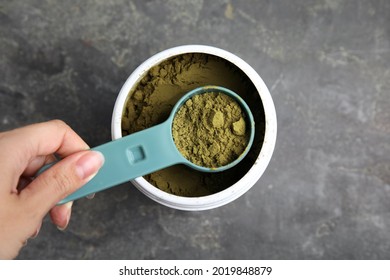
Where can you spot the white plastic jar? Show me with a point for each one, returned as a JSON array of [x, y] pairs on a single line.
[[254, 173]]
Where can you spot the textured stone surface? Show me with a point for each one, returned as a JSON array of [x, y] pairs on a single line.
[[326, 192]]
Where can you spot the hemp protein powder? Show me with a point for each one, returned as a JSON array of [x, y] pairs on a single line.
[[152, 100], [209, 130]]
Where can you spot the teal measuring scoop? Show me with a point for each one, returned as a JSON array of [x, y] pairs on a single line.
[[149, 150]]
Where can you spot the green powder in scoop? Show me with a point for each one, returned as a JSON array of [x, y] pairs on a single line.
[[210, 130]]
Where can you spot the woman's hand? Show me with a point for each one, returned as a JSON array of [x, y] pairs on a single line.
[[25, 201]]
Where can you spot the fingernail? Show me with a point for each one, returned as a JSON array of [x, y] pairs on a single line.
[[89, 164], [68, 205], [61, 228], [36, 232]]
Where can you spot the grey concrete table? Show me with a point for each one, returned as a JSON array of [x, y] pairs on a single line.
[[326, 192]]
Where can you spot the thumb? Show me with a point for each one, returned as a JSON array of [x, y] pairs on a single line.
[[62, 179]]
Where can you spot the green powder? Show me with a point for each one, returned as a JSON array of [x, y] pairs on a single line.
[[209, 130], [151, 101]]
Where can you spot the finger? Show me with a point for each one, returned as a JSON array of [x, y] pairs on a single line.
[[60, 215], [35, 234], [90, 196], [20, 146], [36, 163], [61, 179]]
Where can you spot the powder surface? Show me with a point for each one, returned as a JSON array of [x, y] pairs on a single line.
[[204, 130], [152, 99]]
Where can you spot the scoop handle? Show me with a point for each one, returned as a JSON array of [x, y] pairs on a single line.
[[130, 157]]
